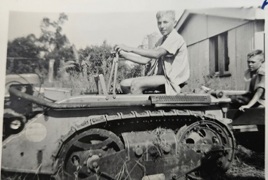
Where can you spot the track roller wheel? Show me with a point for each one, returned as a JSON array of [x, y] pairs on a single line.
[[82, 157], [216, 144]]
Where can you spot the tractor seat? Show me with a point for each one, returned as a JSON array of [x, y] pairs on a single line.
[[160, 89]]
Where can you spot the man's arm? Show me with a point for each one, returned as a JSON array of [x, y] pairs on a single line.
[[134, 57], [254, 100], [149, 53]]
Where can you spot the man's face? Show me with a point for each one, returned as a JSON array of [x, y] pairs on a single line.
[[165, 24], [255, 63]]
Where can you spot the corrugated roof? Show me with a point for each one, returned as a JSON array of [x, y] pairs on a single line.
[[246, 13]]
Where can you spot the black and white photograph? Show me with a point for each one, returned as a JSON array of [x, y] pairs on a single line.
[[163, 90]]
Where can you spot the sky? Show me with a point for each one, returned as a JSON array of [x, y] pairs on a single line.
[[85, 29], [126, 22]]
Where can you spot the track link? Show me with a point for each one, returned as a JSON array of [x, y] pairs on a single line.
[[192, 129]]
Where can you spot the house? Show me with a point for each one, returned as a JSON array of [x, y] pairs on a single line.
[[218, 41]]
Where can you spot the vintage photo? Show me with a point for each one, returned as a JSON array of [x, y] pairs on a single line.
[[162, 95]]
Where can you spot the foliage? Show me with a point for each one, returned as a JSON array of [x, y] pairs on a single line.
[[93, 61], [26, 65], [24, 56], [54, 41], [98, 58], [25, 52], [52, 36], [23, 47], [73, 68]]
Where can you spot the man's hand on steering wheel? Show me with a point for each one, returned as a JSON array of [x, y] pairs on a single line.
[[122, 47]]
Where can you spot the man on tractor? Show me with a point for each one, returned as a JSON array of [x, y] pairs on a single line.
[[169, 66]]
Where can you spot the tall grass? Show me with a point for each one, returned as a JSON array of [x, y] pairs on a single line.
[[77, 83]]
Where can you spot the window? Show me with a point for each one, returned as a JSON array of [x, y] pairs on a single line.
[[218, 55]]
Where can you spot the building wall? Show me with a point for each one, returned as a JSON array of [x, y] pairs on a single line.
[[200, 27], [199, 63], [195, 29], [240, 42]]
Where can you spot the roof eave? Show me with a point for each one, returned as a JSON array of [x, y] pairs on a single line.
[[251, 13]]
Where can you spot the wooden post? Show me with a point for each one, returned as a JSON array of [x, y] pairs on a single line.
[[51, 70]]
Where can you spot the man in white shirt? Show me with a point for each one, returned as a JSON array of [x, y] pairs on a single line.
[[169, 60]]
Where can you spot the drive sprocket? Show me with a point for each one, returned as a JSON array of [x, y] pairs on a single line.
[[80, 158], [214, 141]]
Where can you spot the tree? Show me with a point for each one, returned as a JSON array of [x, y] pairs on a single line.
[[98, 58], [23, 47], [52, 36], [54, 41], [23, 56]]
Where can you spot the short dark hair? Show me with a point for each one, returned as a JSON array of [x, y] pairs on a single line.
[[255, 53]]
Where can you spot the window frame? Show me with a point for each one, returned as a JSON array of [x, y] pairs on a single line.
[[218, 55]]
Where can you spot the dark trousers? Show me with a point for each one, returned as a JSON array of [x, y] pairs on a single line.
[[240, 100]]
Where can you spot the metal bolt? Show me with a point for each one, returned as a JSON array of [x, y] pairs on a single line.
[[167, 148], [95, 164], [138, 151], [215, 140]]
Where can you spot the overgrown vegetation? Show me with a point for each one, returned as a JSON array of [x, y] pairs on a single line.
[[74, 69]]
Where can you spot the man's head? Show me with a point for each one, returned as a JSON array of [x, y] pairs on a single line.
[[255, 60], [165, 21]]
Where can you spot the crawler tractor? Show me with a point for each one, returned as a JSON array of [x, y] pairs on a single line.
[[113, 136]]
